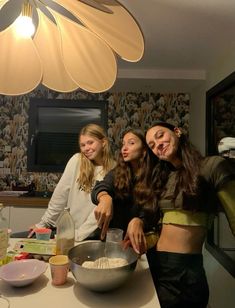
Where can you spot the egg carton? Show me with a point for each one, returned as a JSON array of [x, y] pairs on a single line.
[[36, 249]]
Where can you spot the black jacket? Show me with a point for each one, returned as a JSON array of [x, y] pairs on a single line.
[[124, 209]]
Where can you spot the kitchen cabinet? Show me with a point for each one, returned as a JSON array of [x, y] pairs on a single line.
[[21, 218], [23, 212], [6, 213]]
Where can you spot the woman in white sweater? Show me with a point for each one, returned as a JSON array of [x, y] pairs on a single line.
[[80, 174]]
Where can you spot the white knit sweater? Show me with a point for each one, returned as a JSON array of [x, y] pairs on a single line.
[[68, 194]]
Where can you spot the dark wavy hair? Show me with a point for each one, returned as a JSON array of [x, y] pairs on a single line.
[[134, 182], [188, 174]]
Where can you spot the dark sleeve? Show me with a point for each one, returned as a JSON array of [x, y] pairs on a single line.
[[218, 171], [150, 219], [105, 185], [226, 196], [142, 215]]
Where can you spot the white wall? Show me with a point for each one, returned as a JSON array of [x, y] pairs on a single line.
[[222, 68], [198, 117], [221, 283]]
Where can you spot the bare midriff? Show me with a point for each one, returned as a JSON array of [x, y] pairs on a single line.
[[181, 239]]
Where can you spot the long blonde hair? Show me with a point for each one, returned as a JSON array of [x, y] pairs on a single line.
[[87, 167]]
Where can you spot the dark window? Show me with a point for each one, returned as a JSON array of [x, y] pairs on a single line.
[[54, 126], [220, 123]]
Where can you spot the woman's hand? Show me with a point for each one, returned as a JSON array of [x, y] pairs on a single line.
[[103, 213], [31, 231], [135, 236]]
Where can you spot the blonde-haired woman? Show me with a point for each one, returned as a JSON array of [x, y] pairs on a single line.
[[80, 174], [91, 158]]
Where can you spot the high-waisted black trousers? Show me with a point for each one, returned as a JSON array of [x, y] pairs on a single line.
[[179, 279]]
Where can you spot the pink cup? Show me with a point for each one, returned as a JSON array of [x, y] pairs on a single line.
[[59, 265], [43, 234]]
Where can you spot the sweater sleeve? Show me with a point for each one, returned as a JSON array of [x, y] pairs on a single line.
[[59, 199], [218, 171], [227, 198], [89, 226], [105, 185]]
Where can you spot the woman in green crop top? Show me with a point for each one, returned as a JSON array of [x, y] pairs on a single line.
[[186, 190]]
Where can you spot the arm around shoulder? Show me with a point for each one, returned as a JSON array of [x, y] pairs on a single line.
[[226, 196], [104, 187]]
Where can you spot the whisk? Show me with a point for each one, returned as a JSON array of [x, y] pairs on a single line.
[[103, 262]]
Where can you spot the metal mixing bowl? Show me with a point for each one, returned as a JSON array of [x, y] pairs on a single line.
[[98, 279]]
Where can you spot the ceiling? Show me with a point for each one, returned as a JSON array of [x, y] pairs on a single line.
[[183, 39]]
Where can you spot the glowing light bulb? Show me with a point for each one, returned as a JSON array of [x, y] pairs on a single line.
[[24, 26]]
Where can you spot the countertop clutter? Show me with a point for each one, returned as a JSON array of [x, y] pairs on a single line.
[[138, 291]]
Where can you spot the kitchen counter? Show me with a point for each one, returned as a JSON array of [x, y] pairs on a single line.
[[24, 201], [138, 291]]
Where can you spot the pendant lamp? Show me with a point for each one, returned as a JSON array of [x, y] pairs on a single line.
[[65, 44]]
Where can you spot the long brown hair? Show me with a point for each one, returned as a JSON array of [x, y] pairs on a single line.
[[87, 167], [188, 174], [134, 182]]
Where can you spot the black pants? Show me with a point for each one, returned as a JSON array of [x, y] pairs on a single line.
[[179, 279]]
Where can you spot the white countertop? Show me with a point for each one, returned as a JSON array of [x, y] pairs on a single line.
[[138, 291]]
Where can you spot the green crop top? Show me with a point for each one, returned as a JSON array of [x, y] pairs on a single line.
[[215, 174], [187, 218]]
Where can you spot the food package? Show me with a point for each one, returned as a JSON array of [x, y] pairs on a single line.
[[36, 248]]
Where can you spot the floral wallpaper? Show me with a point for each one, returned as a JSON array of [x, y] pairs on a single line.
[[125, 109]]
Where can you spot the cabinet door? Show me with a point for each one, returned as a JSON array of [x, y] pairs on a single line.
[[6, 214], [21, 218]]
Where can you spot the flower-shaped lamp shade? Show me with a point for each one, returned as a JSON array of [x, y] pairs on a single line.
[[75, 46]]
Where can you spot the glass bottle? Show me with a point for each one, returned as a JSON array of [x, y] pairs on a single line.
[[65, 233], [3, 234]]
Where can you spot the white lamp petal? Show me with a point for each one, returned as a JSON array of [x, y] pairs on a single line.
[[119, 29], [20, 67], [68, 55], [88, 59], [2, 2], [48, 43]]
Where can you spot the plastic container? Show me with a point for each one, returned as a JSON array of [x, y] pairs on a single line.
[[65, 233], [3, 234], [114, 235], [43, 234]]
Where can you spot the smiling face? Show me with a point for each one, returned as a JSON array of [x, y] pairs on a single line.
[[164, 143], [132, 148], [92, 148]]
